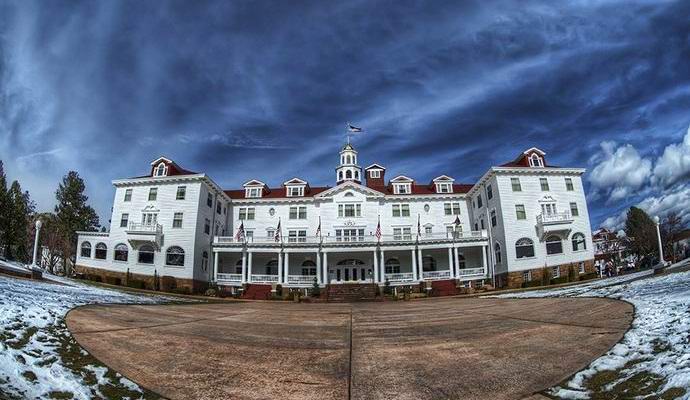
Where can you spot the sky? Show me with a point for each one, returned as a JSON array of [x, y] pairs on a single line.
[[263, 90]]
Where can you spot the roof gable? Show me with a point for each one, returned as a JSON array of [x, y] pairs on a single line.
[[349, 185], [294, 181], [254, 182], [402, 179], [374, 166]]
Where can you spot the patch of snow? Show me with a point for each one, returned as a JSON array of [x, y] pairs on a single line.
[[33, 337]]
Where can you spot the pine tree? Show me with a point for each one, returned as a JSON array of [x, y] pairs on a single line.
[[640, 228], [72, 212], [18, 222]]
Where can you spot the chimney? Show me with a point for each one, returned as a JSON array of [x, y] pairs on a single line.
[[375, 175]]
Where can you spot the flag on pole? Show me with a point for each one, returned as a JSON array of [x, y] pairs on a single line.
[[378, 230], [353, 128], [457, 221], [278, 233], [240, 232], [419, 225], [318, 228]]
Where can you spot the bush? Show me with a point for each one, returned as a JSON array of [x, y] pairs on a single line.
[[588, 276], [136, 284], [531, 284], [387, 287], [113, 280], [94, 277], [315, 289], [545, 276], [181, 290], [210, 292], [558, 281], [572, 273], [168, 283]]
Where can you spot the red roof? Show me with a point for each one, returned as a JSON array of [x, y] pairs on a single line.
[[424, 189], [278, 193]]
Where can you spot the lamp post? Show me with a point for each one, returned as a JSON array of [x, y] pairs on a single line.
[[659, 267], [39, 224]]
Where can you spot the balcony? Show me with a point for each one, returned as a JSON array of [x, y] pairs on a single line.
[[554, 223], [138, 234], [434, 275], [262, 278], [229, 278], [462, 272], [303, 280]]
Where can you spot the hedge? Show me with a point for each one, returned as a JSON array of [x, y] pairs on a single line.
[[588, 276], [113, 280], [136, 284], [531, 284], [558, 281]]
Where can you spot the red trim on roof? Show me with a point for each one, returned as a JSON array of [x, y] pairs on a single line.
[[424, 189], [278, 193]]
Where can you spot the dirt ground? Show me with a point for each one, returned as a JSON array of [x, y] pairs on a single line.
[[446, 348]]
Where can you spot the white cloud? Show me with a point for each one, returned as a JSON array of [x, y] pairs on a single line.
[[674, 163], [676, 199], [620, 171]]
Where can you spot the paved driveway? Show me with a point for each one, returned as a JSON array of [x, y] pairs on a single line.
[[431, 349]]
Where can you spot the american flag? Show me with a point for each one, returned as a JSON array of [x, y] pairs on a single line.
[[278, 234], [240, 233], [457, 221], [353, 128], [419, 225], [378, 230], [318, 228]]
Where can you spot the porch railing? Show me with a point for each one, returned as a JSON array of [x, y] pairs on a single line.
[[265, 278], [436, 274], [229, 277], [471, 271], [400, 277], [301, 279], [366, 239], [137, 227]]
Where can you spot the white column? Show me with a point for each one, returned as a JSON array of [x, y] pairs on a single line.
[[414, 265], [383, 266], [249, 266], [457, 262], [484, 250], [287, 267], [38, 230], [216, 256], [281, 276], [245, 278], [376, 266], [658, 236], [450, 262], [325, 267], [318, 267], [419, 265]]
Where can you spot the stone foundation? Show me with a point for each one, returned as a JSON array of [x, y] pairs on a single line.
[[514, 280], [164, 283]]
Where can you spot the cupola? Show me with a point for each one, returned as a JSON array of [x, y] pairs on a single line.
[[348, 170]]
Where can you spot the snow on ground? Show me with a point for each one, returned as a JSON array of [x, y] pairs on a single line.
[[38, 356], [653, 358]]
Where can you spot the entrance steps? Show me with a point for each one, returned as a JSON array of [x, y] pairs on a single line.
[[257, 292], [444, 288], [351, 292]]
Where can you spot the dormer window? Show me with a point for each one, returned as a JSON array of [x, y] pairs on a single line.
[[402, 188], [295, 191], [375, 173], [161, 170], [252, 192], [535, 160], [444, 188]]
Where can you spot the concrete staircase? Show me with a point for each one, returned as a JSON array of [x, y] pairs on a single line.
[[351, 292], [443, 288], [257, 292]]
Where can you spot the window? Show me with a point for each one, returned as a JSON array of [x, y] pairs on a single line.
[[573, 210], [101, 251], [402, 188], [209, 200], [149, 219], [555, 272], [497, 252], [295, 191], [461, 261], [128, 195], [489, 192], [124, 220], [146, 254], [248, 235], [121, 252], [308, 268], [569, 184], [271, 233], [481, 223], [524, 248], [348, 174], [349, 210], [207, 226], [86, 249], [402, 233], [349, 235], [476, 226], [252, 192], [544, 184], [357, 175], [554, 245], [160, 170], [392, 266], [579, 242], [451, 208], [581, 267], [297, 236], [246, 213], [218, 208], [520, 211], [479, 201], [428, 263], [444, 188], [153, 194], [427, 230], [401, 210], [527, 276], [298, 212], [375, 173], [535, 161], [177, 220], [204, 261], [515, 183], [493, 218], [174, 256], [181, 193]]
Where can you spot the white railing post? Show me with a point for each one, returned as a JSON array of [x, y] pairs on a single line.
[[414, 265], [383, 266], [215, 265]]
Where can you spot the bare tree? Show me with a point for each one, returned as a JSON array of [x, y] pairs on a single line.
[[670, 228]]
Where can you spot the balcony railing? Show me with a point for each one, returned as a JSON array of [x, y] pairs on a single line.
[[436, 274], [365, 239], [301, 279], [471, 271], [229, 277], [555, 218], [136, 227], [401, 277], [265, 278]]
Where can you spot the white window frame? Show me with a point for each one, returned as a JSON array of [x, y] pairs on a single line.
[[128, 195], [300, 212], [295, 191], [244, 213], [181, 193], [402, 233], [515, 184], [153, 191], [544, 184], [402, 188], [444, 187], [356, 209], [253, 192], [574, 211], [453, 207], [160, 172], [176, 219], [517, 212], [401, 209], [569, 185], [297, 235], [375, 173], [535, 160]]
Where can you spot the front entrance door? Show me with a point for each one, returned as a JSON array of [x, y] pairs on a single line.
[[350, 271]]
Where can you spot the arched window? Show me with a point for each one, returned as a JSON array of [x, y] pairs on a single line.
[[535, 161], [349, 160], [348, 174], [392, 266], [357, 175], [342, 160], [101, 251], [204, 260], [160, 170], [579, 242], [309, 268], [86, 249], [554, 245], [428, 263], [174, 256], [121, 252], [146, 254], [461, 261], [270, 267], [340, 175], [524, 248], [497, 252]]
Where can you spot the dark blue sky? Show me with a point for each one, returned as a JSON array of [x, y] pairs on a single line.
[[263, 90]]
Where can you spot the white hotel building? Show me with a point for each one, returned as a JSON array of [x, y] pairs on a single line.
[[516, 220]]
